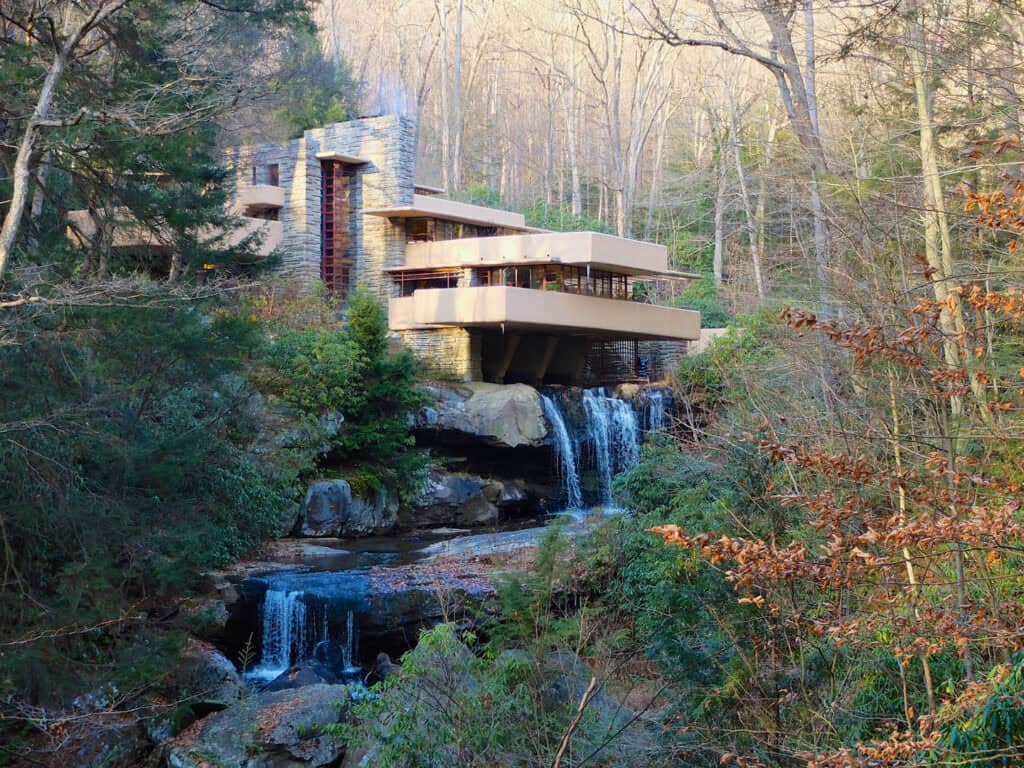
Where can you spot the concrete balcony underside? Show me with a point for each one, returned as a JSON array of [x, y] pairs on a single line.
[[541, 311], [129, 233]]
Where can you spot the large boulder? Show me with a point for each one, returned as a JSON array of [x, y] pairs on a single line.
[[205, 678], [205, 615], [330, 509], [463, 500], [307, 672], [279, 729], [500, 415]]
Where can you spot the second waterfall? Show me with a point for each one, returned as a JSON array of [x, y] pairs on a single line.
[[605, 439], [614, 432]]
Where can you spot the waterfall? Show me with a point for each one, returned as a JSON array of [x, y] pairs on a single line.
[[655, 410], [287, 622], [615, 433], [565, 449], [350, 648]]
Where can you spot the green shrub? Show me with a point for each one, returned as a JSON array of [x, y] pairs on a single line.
[[350, 372], [447, 707], [713, 314], [716, 373], [684, 612], [126, 473], [992, 732]]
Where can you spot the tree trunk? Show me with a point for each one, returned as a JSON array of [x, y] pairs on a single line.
[[937, 239], [549, 140], [576, 198], [762, 185], [39, 196], [445, 116], [620, 213], [748, 211], [570, 105], [456, 116], [718, 260], [22, 172], [908, 562]]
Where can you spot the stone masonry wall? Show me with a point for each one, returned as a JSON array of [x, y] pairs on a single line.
[[388, 143], [450, 354], [242, 161]]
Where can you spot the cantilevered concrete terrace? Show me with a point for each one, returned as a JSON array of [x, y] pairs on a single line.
[[430, 206], [259, 199], [535, 310], [616, 254], [130, 233], [570, 282]]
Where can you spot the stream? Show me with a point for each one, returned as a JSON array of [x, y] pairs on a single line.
[[342, 602]]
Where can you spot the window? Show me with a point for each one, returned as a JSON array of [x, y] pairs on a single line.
[[339, 188], [274, 175], [419, 230]]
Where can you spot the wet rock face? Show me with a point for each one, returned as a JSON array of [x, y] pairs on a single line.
[[307, 672], [330, 509], [277, 728], [452, 499], [503, 416]]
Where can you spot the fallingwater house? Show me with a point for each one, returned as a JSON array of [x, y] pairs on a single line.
[[473, 291]]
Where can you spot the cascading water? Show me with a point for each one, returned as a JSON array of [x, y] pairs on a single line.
[[290, 630], [349, 649], [565, 449], [615, 433], [655, 410]]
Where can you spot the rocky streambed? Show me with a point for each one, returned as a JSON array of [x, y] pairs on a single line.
[[335, 605], [313, 620], [362, 576], [285, 641]]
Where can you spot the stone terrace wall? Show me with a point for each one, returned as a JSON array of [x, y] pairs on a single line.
[[448, 354]]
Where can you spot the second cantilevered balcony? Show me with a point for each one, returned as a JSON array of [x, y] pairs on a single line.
[[574, 282], [260, 201]]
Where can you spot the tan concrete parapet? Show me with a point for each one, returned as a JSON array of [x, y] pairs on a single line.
[[427, 189], [617, 254], [341, 157], [273, 234], [430, 206], [129, 233], [497, 306], [259, 196]]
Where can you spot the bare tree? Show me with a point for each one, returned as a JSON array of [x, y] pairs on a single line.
[[748, 207], [67, 47], [631, 77], [796, 82]]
